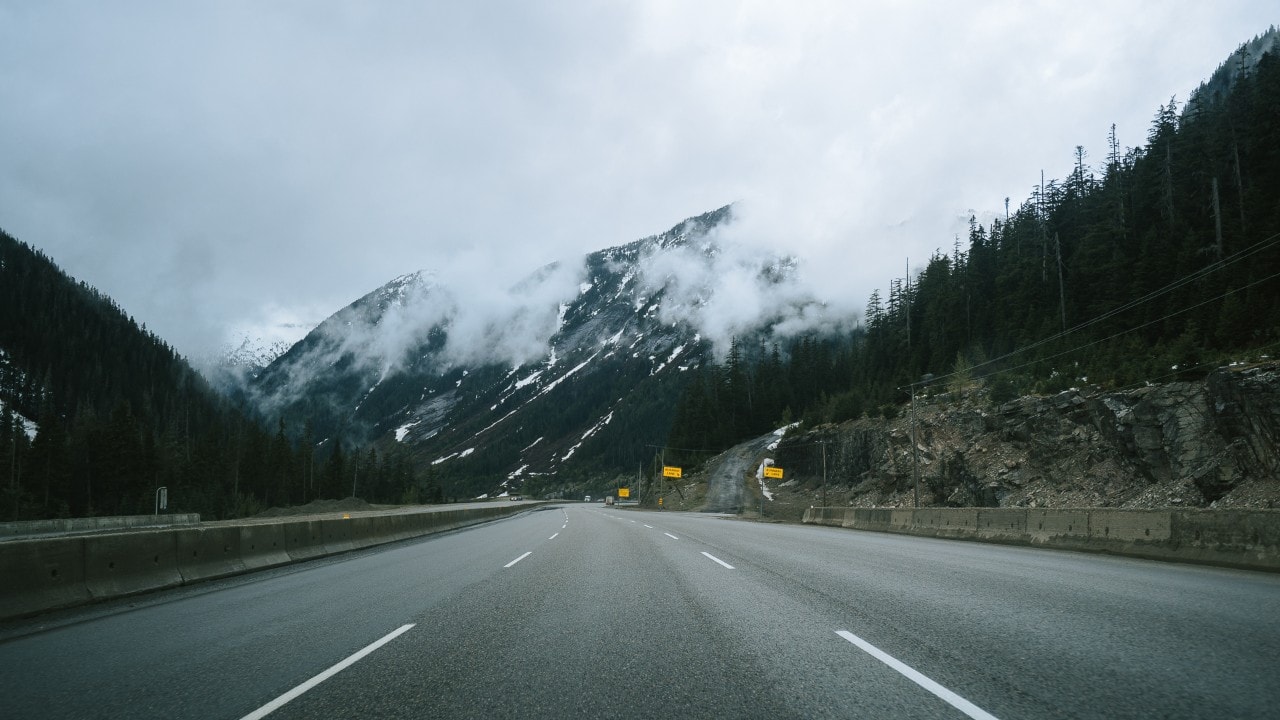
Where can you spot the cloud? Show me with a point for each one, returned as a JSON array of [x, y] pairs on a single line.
[[315, 150], [512, 326], [736, 281]]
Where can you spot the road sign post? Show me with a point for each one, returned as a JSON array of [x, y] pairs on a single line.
[[770, 471]]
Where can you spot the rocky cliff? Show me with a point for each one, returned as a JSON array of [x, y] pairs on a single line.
[[1209, 443]]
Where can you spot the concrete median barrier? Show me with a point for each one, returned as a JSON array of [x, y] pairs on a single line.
[[304, 540], [129, 563], [41, 575], [208, 553], [47, 573], [1248, 539], [263, 546]]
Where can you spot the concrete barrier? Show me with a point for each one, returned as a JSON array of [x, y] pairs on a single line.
[[128, 563], [41, 575], [304, 540], [47, 573], [22, 528], [208, 553], [1047, 526], [263, 546], [1248, 539]]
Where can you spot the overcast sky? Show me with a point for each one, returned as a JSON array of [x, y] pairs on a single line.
[[223, 166]]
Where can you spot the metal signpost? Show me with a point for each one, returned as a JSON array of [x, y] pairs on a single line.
[[770, 471]]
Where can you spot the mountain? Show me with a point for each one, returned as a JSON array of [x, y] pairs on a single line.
[[253, 354], [575, 375]]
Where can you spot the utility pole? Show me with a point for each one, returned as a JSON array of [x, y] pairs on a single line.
[[915, 461], [907, 298], [1062, 292], [824, 473], [1217, 219]]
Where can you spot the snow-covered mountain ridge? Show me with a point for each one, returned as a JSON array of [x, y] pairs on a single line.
[[574, 370]]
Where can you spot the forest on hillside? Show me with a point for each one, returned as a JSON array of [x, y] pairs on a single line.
[[119, 414], [1151, 265]]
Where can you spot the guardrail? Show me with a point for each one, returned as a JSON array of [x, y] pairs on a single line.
[[57, 572], [1248, 539]]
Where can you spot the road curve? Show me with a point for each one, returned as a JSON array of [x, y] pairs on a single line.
[[585, 611]]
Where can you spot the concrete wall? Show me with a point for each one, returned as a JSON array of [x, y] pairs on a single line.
[[1248, 539], [10, 530], [48, 573]]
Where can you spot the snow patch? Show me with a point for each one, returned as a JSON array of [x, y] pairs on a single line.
[[28, 426], [403, 430], [533, 377], [780, 432], [764, 489]]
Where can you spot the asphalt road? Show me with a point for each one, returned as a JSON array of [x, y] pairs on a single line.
[[586, 611]]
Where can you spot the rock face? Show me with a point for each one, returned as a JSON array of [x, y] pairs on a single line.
[[1214, 442]]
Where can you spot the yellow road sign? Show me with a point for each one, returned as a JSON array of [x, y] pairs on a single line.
[[670, 471], [624, 492], [773, 472]]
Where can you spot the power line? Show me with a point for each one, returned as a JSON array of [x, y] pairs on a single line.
[[1181, 282]]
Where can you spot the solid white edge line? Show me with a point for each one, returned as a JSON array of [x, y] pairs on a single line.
[[294, 693], [910, 673], [673, 537], [553, 537], [513, 562], [716, 559]]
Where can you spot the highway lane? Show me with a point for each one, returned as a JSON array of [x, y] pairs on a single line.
[[588, 611]]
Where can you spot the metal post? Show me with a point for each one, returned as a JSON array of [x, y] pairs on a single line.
[[162, 498]]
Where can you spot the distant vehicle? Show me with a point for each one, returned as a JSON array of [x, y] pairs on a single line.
[[586, 499], [608, 500], [516, 497]]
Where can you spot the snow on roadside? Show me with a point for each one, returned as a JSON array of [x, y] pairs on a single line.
[[780, 432], [767, 462]]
